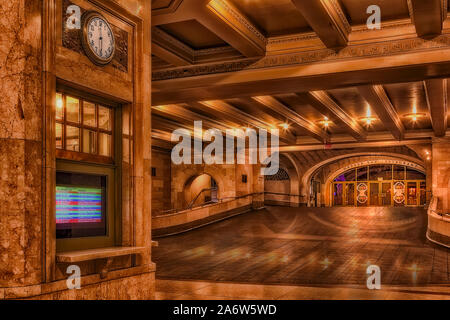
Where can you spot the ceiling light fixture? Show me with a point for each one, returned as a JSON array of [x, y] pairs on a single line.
[[325, 122], [414, 115], [285, 126], [368, 119]]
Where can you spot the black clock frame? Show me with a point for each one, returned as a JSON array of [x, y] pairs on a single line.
[[88, 16]]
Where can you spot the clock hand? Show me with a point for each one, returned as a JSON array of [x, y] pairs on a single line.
[[101, 41]]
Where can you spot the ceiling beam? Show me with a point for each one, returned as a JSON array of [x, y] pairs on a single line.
[[323, 103], [187, 117], [436, 93], [327, 19], [299, 71], [170, 49], [379, 102], [244, 119], [275, 105], [225, 20], [428, 16]]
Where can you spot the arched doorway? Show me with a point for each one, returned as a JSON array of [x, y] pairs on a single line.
[[379, 185], [199, 190]]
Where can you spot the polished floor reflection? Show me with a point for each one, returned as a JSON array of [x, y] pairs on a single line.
[[308, 246]]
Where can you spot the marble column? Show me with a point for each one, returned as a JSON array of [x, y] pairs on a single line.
[[21, 142]]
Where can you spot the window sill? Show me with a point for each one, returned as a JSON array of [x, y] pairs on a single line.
[[94, 254]]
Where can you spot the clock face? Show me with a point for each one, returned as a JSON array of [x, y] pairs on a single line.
[[98, 39]]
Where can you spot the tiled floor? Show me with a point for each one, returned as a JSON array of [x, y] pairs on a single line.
[[308, 247], [203, 290]]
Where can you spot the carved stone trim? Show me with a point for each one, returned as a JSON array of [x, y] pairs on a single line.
[[337, 8], [292, 38], [71, 40]]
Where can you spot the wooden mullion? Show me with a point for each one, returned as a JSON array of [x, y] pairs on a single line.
[[81, 118]]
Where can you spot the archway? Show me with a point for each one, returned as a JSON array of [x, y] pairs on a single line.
[[343, 161], [199, 190], [381, 182], [277, 188], [283, 188]]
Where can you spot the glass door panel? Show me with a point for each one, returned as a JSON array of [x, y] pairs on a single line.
[[411, 191], [338, 199], [374, 194], [386, 194], [423, 193], [350, 194]]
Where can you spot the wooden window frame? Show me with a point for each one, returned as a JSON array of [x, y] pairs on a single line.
[[80, 155]]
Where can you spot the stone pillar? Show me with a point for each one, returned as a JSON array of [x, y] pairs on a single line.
[[441, 172], [21, 142]]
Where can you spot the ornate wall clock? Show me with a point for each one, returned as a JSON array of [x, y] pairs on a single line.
[[97, 38]]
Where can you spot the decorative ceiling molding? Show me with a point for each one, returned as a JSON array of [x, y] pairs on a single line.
[[164, 45], [222, 6], [234, 27], [336, 8], [379, 49]]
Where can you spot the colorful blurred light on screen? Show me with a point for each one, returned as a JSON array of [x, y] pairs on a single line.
[[78, 205]]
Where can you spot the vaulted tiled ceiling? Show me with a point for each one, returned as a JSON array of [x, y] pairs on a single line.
[[263, 63]]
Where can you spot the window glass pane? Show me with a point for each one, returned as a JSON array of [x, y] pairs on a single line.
[[381, 172], [399, 172], [349, 175], [59, 107], [104, 144], [412, 174], [59, 136], [72, 138], [89, 141], [73, 109], [104, 118], [89, 114], [362, 174], [423, 193]]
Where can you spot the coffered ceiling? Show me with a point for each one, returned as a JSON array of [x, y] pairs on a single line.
[[310, 64]]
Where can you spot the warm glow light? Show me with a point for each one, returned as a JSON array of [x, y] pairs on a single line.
[[414, 116], [285, 126], [325, 122], [59, 102], [368, 119]]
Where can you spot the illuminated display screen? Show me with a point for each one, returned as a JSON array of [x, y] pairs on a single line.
[[78, 205]]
